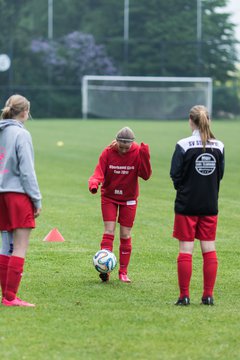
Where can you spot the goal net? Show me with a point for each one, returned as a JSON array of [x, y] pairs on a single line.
[[139, 97]]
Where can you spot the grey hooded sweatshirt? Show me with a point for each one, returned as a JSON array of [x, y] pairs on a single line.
[[17, 172]]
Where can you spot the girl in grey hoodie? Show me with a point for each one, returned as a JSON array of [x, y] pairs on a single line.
[[20, 197]]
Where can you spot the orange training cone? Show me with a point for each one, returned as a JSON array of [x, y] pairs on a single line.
[[54, 236]]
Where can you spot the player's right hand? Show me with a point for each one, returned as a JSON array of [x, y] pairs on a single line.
[[93, 190]]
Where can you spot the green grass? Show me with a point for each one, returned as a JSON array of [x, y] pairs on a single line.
[[77, 317]]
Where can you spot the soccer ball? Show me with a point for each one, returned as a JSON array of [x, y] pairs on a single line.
[[104, 261]]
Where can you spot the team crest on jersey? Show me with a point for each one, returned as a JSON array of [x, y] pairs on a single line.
[[205, 164]]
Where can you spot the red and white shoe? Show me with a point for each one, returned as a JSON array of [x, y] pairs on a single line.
[[16, 302], [124, 278]]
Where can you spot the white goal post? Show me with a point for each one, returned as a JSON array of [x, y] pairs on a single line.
[[143, 97]]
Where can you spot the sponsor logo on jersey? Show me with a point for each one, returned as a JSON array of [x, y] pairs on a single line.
[[131, 202], [118, 192], [121, 170], [205, 164]]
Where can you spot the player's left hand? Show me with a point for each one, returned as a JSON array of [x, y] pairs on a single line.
[[144, 148], [37, 212]]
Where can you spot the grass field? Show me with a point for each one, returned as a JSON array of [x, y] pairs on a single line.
[[77, 317]]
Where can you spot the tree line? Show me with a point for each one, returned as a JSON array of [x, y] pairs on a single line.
[[163, 40]]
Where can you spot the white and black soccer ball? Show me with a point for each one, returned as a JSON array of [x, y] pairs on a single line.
[[104, 261]]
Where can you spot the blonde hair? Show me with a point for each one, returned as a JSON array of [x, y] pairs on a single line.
[[14, 106], [125, 135], [200, 117]]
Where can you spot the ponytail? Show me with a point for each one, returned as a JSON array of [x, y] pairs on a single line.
[[200, 117], [7, 113], [14, 106]]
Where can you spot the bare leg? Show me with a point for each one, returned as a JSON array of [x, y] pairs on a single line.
[[109, 227], [21, 241], [108, 235]]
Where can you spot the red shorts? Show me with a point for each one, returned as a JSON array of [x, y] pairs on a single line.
[[188, 228], [16, 211], [126, 212]]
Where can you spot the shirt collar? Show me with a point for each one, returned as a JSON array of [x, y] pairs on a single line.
[[196, 132]]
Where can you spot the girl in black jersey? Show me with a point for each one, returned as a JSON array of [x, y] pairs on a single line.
[[196, 170]]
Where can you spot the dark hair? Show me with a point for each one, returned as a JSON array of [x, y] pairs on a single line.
[[200, 117], [14, 106]]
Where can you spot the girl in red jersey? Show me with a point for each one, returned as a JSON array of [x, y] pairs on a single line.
[[20, 198], [118, 169], [196, 170]]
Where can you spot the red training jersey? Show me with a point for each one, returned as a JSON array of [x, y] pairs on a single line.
[[118, 173]]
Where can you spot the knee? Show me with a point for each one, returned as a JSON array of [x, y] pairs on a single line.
[[125, 237], [186, 247], [125, 232], [109, 231], [208, 246]]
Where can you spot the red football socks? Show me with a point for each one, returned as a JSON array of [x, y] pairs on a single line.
[[14, 275], [210, 266], [107, 242], [125, 250], [184, 262], [4, 259]]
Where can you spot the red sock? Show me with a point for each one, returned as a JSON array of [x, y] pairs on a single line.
[[14, 275], [107, 242], [125, 250], [210, 266], [184, 262], [4, 259]]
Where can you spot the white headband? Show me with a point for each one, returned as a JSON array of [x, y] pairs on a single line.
[[124, 140]]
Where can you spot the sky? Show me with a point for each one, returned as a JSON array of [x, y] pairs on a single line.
[[234, 7]]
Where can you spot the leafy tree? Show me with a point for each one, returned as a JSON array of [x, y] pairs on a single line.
[[162, 34], [73, 56], [162, 40]]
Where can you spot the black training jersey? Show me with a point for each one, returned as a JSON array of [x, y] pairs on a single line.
[[196, 175]]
